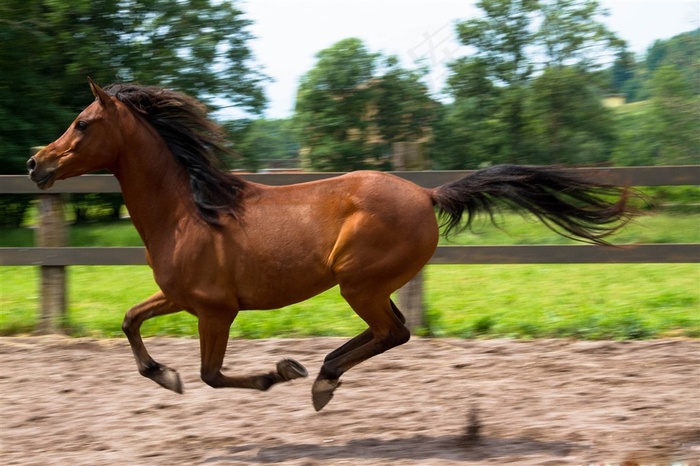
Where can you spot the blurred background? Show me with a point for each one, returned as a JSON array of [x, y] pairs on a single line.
[[475, 82], [334, 85]]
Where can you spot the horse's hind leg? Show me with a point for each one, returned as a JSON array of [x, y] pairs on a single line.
[[213, 337], [361, 339], [387, 330], [156, 305]]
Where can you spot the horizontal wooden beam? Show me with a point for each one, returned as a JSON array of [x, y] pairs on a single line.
[[515, 254], [73, 256], [622, 176], [568, 254]]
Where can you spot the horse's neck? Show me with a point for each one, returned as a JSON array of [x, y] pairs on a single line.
[[156, 190]]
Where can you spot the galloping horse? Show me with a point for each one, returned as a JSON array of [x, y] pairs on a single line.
[[218, 244]]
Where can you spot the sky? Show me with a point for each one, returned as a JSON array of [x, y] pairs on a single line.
[[288, 34]]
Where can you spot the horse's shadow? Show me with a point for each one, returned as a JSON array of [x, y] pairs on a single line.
[[417, 447]]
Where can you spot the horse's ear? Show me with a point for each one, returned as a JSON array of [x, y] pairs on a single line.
[[100, 94]]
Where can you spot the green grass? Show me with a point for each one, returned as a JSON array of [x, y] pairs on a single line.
[[592, 301], [514, 229], [121, 233], [620, 301], [633, 108], [596, 301]]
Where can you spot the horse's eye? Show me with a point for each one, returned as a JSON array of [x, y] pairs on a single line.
[[81, 125]]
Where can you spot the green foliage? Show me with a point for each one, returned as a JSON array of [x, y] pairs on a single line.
[[632, 77], [529, 92], [332, 100], [404, 111], [571, 33], [566, 120], [675, 112], [354, 103], [636, 144], [663, 130], [264, 144], [622, 75], [96, 206], [51, 46], [681, 52], [464, 138], [13, 208], [500, 40]]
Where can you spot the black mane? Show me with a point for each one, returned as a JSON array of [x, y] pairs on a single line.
[[197, 143]]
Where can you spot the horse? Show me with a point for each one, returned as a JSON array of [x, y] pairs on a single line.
[[218, 244]]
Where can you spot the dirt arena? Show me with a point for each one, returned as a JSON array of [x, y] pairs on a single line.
[[438, 402]]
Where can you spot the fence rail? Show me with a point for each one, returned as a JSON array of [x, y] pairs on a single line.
[[516, 254], [679, 175], [53, 258]]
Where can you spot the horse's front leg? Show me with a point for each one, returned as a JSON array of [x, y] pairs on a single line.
[[213, 338], [156, 305]]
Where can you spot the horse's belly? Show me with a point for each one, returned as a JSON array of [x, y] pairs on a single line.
[[274, 292]]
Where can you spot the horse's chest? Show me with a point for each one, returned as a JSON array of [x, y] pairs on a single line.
[[196, 281]]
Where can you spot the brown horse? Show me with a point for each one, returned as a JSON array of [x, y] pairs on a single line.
[[218, 244]]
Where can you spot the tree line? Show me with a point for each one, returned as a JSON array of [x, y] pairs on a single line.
[[528, 88]]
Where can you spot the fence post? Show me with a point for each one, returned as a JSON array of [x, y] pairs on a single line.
[[51, 232], [409, 156]]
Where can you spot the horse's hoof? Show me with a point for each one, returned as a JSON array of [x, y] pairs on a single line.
[[289, 369], [170, 379], [322, 392]]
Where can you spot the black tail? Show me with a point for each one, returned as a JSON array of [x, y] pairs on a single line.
[[566, 203]]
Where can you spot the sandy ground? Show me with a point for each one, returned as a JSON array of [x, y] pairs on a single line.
[[439, 402]]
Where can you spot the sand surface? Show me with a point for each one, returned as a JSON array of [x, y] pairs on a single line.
[[438, 402]]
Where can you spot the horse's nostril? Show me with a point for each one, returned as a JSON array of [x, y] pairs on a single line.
[[31, 165]]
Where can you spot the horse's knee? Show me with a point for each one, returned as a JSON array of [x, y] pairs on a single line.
[[131, 322], [128, 325]]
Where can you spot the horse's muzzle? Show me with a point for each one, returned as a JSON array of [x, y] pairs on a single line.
[[31, 165], [43, 178]]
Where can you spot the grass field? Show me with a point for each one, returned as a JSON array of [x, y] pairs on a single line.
[[596, 301]]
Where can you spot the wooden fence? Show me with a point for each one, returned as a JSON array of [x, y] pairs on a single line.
[[53, 257]]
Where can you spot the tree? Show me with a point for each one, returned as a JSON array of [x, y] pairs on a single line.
[[675, 112], [463, 139], [196, 46], [354, 103], [622, 76], [500, 41], [682, 52], [332, 101], [532, 77], [264, 141], [51, 46], [571, 34], [566, 121], [404, 110], [663, 129], [637, 144]]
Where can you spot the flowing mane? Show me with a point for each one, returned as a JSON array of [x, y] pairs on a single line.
[[197, 143]]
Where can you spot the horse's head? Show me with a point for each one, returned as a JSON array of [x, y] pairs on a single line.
[[90, 143]]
